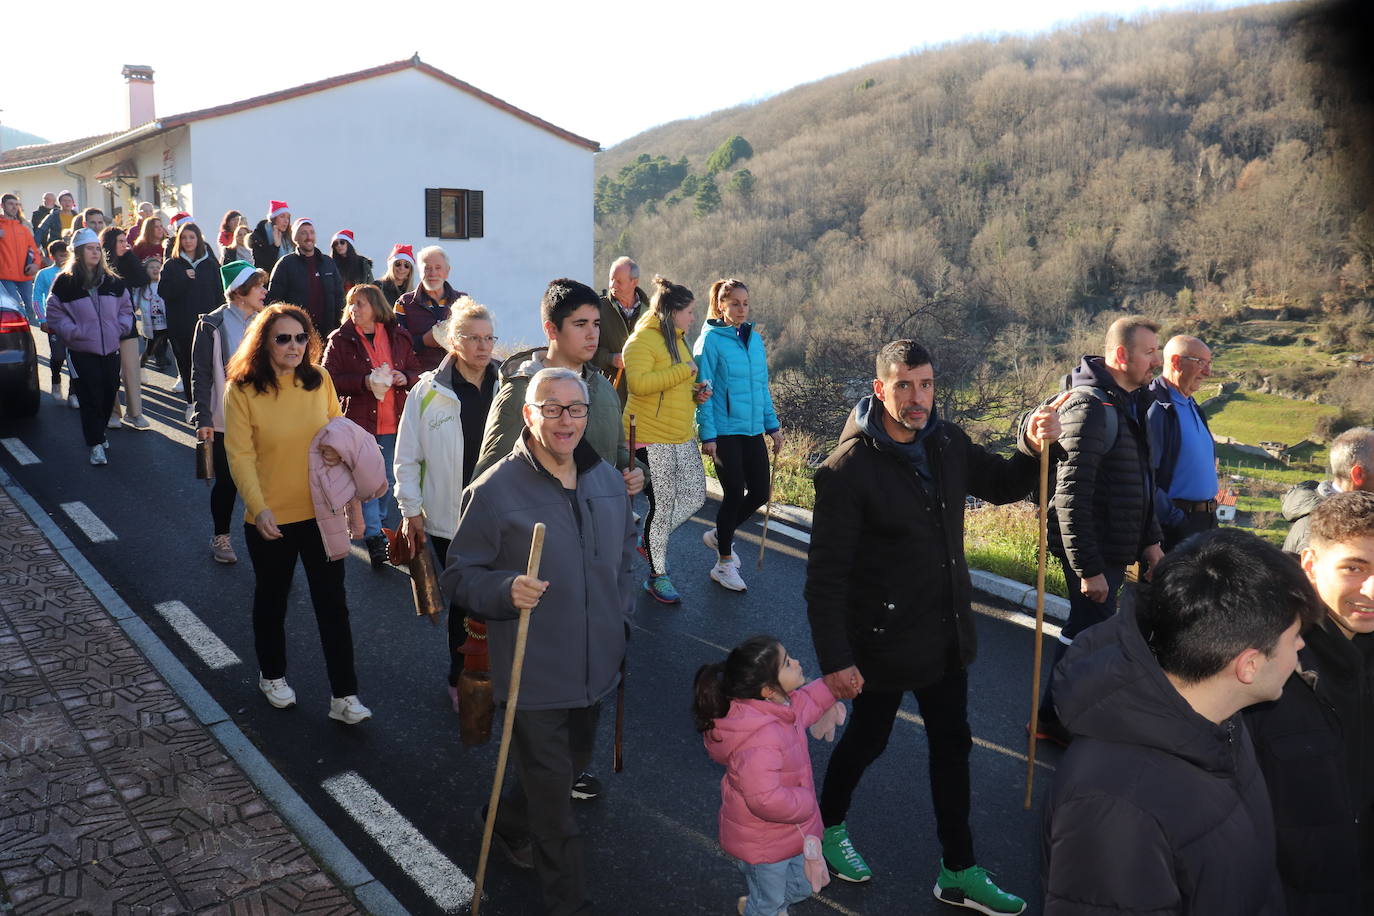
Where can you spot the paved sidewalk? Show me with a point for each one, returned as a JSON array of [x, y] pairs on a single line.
[[113, 797]]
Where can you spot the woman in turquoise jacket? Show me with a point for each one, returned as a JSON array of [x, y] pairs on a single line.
[[733, 422]]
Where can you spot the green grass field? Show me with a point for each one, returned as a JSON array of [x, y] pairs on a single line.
[[1252, 418]]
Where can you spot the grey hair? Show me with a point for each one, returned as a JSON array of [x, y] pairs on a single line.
[[1353, 447], [429, 250], [624, 261], [554, 374]]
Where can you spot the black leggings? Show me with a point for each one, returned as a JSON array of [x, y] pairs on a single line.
[[742, 468], [97, 387], [181, 349], [156, 349], [274, 562], [224, 492], [944, 707]]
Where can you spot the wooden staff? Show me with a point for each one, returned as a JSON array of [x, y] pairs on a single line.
[[618, 752], [768, 512], [521, 637], [1039, 618]]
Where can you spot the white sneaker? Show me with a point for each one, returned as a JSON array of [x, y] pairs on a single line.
[[56, 391], [178, 388], [190, 412], [138, 422], [276, 691], [73, 403], [727, 574], [349, 710], [710, 539], [98, 455], [113, 422]]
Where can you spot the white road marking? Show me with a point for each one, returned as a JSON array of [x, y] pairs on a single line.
[[445, 883], [193, 631], [19, 451], [87, 521], [796, 534], [1020, 619], [981, 742]]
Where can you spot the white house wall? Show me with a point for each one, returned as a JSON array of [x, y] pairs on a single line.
[[359, 156], [31, 184]]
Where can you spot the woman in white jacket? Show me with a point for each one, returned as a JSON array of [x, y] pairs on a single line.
[[437, 442]]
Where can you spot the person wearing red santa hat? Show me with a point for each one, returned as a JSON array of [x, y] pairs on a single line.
[[353, 267], [173, 225], [308, 277], [400, 273], [271, 239]]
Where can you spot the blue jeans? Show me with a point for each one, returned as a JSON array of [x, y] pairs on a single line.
[[774, 885], [23, 291], [380, 510]]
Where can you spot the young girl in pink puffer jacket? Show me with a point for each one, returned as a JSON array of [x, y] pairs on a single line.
[[753, 712]]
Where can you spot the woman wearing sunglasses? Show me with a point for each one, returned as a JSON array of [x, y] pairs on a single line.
[[278, 397]]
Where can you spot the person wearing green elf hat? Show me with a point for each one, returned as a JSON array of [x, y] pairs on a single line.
[[218, 335]]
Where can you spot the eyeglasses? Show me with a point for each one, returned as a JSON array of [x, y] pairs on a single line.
[[552, 411], [481, 340], [282, 340], [1202, 363]]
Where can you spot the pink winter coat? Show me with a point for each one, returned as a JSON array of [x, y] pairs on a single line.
[[338, 491], [768, 794]]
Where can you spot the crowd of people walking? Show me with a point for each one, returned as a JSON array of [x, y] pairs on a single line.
[[1214, 724]]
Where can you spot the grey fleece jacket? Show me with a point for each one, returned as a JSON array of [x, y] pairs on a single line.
[[605, 434], [579, 628]]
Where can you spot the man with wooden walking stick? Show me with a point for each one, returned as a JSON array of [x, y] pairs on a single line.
[[888, 596], [582, 602]]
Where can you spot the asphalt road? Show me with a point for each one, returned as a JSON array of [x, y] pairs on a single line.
[[652, 835]]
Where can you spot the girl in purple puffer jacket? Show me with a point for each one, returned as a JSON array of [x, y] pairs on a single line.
[[753, 711]]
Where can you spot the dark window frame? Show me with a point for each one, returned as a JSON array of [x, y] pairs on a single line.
[[463, 205]]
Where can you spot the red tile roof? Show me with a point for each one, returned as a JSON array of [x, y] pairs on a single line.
[[44, 153], [52, 152]]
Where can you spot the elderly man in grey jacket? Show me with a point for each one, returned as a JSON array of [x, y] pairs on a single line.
[[582, 604]]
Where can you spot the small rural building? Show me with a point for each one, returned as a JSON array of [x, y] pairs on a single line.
[[1226, 504], [509, 195]]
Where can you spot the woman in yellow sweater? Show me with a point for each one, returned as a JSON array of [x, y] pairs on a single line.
[[276, 399], [661, 378]]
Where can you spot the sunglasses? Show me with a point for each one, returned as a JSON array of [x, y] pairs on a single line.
[[282, 340]]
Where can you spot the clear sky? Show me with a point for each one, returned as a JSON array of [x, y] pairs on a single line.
[[605, 71]]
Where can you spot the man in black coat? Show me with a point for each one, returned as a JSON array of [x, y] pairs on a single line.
[[308, 277], [1102, 509], [1316, 742], [1159, 805], [888, 597]]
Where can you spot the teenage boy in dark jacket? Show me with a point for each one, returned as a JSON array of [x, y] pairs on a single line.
[[1159, 806], [1316, 743], [1102, 516], [578, 629], [888, 597]]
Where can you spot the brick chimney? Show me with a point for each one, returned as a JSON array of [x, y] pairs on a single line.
[[140, 81]]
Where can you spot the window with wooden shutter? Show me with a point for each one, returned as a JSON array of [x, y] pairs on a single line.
[[453, 213]]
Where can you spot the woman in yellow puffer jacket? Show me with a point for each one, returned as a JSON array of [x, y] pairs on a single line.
[[663, 393]]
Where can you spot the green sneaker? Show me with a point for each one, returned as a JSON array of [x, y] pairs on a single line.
[[844, 861], [972, 888]]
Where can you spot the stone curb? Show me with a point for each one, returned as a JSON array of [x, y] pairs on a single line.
[[1018, 593], [323, 842]]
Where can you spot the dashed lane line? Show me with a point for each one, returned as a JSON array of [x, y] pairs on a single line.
[[19, 451], [193, 631], [445, 883], [89, 523]]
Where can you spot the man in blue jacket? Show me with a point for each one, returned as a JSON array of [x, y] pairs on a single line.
[[1181, 447]]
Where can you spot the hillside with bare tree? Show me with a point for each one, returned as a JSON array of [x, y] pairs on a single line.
[[1003, 199]]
